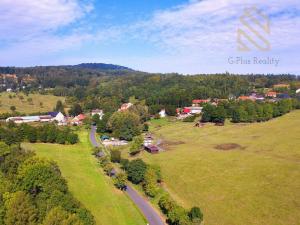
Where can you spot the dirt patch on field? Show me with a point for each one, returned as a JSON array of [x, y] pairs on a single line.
[[228, 146], [166, 145]]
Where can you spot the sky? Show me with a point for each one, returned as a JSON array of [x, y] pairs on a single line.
[[183, 36]]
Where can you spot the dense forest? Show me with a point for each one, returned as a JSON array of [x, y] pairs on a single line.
[[32, 191], [107, 86]]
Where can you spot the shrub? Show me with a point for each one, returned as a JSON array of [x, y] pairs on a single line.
[[120, 181], [196, 216], [115, 156], [189, 119], [72, 138], [136, 145], [124, 164], [150, 182], [136, 171]]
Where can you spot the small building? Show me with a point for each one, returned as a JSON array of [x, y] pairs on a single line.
[[192, 110], [245, 98], [298, 91], [198, 102], [46, 118], [162, 113], [8, 90], [98, 112], [271, 94], [153, 149]]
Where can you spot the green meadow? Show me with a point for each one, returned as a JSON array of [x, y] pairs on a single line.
[[238, 174], [88, 184]]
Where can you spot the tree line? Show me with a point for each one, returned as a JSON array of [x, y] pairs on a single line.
[[247, 111], [149, 177], [33, 192], [48, 133]]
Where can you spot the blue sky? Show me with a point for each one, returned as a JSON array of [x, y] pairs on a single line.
[[185, 36]]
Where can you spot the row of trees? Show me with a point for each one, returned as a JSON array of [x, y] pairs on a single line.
[[48, 133], [33, 192], [149, 178], [248, 111]]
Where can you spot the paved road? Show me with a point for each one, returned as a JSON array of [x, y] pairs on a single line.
[[95, 143], [151, 215]]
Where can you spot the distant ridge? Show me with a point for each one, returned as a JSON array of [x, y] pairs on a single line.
[[100, 66]]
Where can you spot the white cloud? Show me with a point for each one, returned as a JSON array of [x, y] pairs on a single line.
[[195, 37], [203, 33], [24, 19]]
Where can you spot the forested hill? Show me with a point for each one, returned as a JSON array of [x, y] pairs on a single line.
[[100, 66], [65, 75]]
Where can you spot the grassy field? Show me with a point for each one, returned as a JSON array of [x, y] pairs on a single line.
[[24, 105], [88, 184], [256, 182]]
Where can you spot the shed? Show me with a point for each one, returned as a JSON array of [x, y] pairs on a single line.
[[152, 149]]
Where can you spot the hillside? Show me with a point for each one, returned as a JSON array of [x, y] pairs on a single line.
[[32, 103], [238, 174]]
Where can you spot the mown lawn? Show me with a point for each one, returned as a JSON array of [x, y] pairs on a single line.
[[24, 105], [256, 183], [88, 184]]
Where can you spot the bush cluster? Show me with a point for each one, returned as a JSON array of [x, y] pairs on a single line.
[[177, 214]]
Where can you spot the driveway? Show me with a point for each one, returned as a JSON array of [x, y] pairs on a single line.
[[148, 211]]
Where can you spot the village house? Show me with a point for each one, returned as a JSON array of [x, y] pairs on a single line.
[[298, 91], [78, 120], [245, 98], [60, 119], [125, 106], [162, 113], [271, 94], [97, 112], [198, 102]]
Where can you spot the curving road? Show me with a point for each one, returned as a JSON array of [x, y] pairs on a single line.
[[148, 211]]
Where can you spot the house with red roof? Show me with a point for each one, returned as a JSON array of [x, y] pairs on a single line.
[[198, 102], [271, 94]]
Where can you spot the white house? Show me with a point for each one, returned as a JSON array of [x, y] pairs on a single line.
[[298, 91], [98, 112], [162, 113], [61, 119]]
